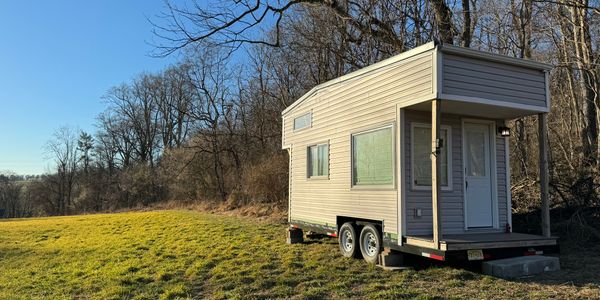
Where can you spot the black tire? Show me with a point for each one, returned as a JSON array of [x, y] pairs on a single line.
[[348, 240], [370, 244]]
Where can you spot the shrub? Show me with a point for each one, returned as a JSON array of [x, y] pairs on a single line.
[[267, 181]]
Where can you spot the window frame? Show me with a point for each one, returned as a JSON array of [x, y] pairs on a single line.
[[308, 161], [310, 123], [391, 186], [448, 145]]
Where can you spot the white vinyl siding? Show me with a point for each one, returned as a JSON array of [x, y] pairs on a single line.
[[318, 161], [421, 156], [303, 121], [349, 107], [373, 158]]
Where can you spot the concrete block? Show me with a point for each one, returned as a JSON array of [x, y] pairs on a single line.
[[400, 268], [294, 236], [520, 266], [391, 260]]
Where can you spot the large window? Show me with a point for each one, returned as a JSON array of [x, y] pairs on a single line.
[[373, 158], [421, 156], [303, 121], [318, 161]]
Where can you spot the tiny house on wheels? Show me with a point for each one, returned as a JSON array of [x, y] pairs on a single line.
[[411, 154]]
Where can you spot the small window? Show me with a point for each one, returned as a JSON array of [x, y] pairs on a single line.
[[373, 158], [421, 156], [318, 160], [303, 121]]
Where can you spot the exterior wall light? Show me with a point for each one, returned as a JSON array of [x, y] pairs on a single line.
[[504, 131]]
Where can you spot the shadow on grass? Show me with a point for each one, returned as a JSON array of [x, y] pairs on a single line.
[[578, 230], [580, 266], [320, 240]]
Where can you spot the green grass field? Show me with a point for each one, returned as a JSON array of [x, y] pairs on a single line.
[[188, 254]]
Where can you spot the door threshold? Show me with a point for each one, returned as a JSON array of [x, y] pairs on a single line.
[[482, 229]]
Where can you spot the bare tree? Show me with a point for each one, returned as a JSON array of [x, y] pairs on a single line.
[[209, 76], [10, 196], [116, 140], [85, 144], [467, 31], [136, 106], [233, 23], [443, 19], [174, 92], [62, 149]]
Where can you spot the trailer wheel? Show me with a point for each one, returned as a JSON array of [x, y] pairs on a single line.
[[370, 243], [348, 241]]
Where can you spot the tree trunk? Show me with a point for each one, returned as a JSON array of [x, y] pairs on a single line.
[[466, 32], [588, 84], [443, 20]]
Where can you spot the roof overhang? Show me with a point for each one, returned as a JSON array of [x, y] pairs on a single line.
[[480, 109], [521, 62]]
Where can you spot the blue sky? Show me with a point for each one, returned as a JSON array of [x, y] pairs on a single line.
[[57, 59]]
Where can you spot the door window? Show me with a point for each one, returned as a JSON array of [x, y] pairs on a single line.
[[476, 153]]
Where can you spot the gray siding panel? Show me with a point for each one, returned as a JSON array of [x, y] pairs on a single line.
[[470, 77], [501, 180], [452, 201]]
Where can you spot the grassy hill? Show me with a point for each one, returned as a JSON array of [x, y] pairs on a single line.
[[187, 254]]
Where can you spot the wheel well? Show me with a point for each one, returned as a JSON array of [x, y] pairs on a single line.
[[359, 222]]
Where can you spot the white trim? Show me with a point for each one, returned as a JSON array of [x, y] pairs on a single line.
[[435, 83], [547, 85], [437, 73], [494, 162], [308, 162], [508, 192], [448, 129], [310, 125], [464, 175], [404, 55], [283, 146], [493, 172], [289, 184], [447, 48], [533, 108], [401, 146], [374, 187]]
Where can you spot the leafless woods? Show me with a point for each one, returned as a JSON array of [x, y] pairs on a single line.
[[209, 126]]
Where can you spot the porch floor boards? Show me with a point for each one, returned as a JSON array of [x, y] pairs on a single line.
[[482, 240]]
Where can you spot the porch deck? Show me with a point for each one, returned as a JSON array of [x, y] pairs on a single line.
[[488, 240]]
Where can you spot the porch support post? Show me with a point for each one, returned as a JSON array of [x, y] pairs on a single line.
[[435, 172], [544, 176]]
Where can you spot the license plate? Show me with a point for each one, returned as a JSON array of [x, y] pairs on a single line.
[[475, 254]]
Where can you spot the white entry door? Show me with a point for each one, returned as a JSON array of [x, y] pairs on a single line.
[[478, 171]]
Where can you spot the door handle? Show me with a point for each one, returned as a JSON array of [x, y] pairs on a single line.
[[467, 184]]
